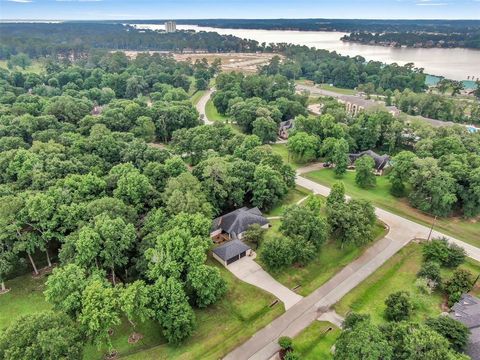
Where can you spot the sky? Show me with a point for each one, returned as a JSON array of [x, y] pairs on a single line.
[[208, 9]]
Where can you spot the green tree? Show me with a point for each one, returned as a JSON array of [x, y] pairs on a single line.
[[454, 331], [431, 271], [207, 284], [363, 342], [42, 336], [305, 222], [265, 129], [444, 253], [336, 195], [135, 302], [364, 176], [460, 283], [268, 187], [172, 310], [100, 312], [277, 252], [399, 306], [134, 189], [352, 222], [64, 289], [184, 193], [303, 146], [254, 234], [21, 60]]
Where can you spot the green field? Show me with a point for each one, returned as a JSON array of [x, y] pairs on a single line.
[[36, 67], [337, 89], [330, 260], [220, 328], [213, 114], [315, 342], [281, 149], [398, 273], [466, 230], [195, 98], [293, 196]]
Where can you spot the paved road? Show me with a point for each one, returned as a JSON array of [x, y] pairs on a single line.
[[263, 345], [317, 91], [201, 105], [246, 269]]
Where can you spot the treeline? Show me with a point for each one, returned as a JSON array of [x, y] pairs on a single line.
[[344, 25], [439, 173], [436, 106], [258, 103], [81, 186], [417, 39], [77, 39], [322, 66]]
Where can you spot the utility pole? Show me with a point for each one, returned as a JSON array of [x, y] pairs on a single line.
[[431, 228]]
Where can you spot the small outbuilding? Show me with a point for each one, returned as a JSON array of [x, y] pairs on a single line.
[[231, 251], [284, 128], [231, 226], [467, 311]]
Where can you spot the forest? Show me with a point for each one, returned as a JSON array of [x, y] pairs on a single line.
[[469, 40]]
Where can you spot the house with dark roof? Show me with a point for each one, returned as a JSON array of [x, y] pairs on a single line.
[[284, 128], [231, 251], [381, 161], [231, 226], [467, 311]]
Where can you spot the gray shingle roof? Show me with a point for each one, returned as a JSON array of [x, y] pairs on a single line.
[[467, 311], [230, 249], [236, 222], [380, 160]]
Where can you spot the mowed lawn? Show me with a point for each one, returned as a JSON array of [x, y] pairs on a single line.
[[294, 196], [213, 114], [462, 229], [330, 260], [220, 328], [281, 149], [195, 98], [316, 341], [399, 273]]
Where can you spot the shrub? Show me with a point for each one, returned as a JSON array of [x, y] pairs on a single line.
[[460, 283], [452, 330], [399, 306], [423, 285], [285, 342], [291, 355], [431, 271], [353, 319], [446, 254], [277, 252]]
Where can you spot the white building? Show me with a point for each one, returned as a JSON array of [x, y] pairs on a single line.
[[170, 26]]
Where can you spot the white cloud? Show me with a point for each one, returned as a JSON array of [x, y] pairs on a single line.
[[21, 1]]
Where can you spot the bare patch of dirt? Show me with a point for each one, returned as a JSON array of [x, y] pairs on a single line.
[[134, 338]]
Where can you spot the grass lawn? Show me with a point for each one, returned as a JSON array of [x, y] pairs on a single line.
[[213, 114], [330, 260], [281, 149], [243, 311], [36, 67], [293, 196], [466, 230], [315, 342], [398, 273], [25, 297], [195, 98], [220, 328], [337, 89]]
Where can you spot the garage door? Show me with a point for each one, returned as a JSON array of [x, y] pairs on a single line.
[[231, 260], [243, 254]]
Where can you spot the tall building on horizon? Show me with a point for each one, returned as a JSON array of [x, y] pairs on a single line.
[[170, 26]]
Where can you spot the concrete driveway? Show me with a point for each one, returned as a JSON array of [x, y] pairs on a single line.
[[246, 269]]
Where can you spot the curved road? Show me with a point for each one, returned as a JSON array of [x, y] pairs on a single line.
[[201, 106], [263, 345]]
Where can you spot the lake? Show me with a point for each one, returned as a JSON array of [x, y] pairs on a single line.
[[455, 64]]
